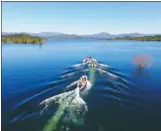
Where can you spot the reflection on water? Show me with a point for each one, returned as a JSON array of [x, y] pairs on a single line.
[[143, 64], [141, 72], [117, 101]]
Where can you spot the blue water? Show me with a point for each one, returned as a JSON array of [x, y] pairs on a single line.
[[29, 74]]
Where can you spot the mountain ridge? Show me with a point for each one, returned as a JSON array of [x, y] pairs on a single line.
[[97, 35]]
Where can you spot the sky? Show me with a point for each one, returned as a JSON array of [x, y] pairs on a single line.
[[82, 17]]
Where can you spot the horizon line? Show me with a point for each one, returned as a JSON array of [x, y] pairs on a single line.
[[78, 33]]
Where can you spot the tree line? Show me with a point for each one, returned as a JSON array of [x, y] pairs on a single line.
[[143, 38], [22, 38]]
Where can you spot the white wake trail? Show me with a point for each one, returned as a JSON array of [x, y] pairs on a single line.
[[72, 109]]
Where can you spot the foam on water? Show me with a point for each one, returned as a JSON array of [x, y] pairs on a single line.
[[72, 109]]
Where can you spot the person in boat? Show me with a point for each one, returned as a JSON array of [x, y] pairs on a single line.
[[93, 60], [93, 64], [88, 65], [89, 59], [86, 60], [83, 83]]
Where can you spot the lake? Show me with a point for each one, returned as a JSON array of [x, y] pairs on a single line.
[[31, 74]]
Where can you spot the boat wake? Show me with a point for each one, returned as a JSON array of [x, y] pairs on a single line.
[[72, 109], [70, 94]]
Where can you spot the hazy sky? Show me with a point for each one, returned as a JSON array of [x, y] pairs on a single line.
[[82, 17]]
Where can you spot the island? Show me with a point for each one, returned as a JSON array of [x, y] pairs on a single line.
[[22, 38], [142, 38]]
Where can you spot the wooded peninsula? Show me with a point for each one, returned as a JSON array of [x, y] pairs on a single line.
[[22, 38], [142, 38]]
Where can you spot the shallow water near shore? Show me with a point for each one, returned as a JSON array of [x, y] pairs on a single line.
[[31, 74]]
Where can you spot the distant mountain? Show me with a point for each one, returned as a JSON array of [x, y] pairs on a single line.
[[101, 35], [130, 35], [107, 35], [7, 33], [42, 34], [47, 34], [134, 35]]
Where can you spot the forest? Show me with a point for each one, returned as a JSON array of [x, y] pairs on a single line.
[[142, 38], [22, 38]]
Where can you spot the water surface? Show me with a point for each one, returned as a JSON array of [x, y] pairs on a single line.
[[30, 72]]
